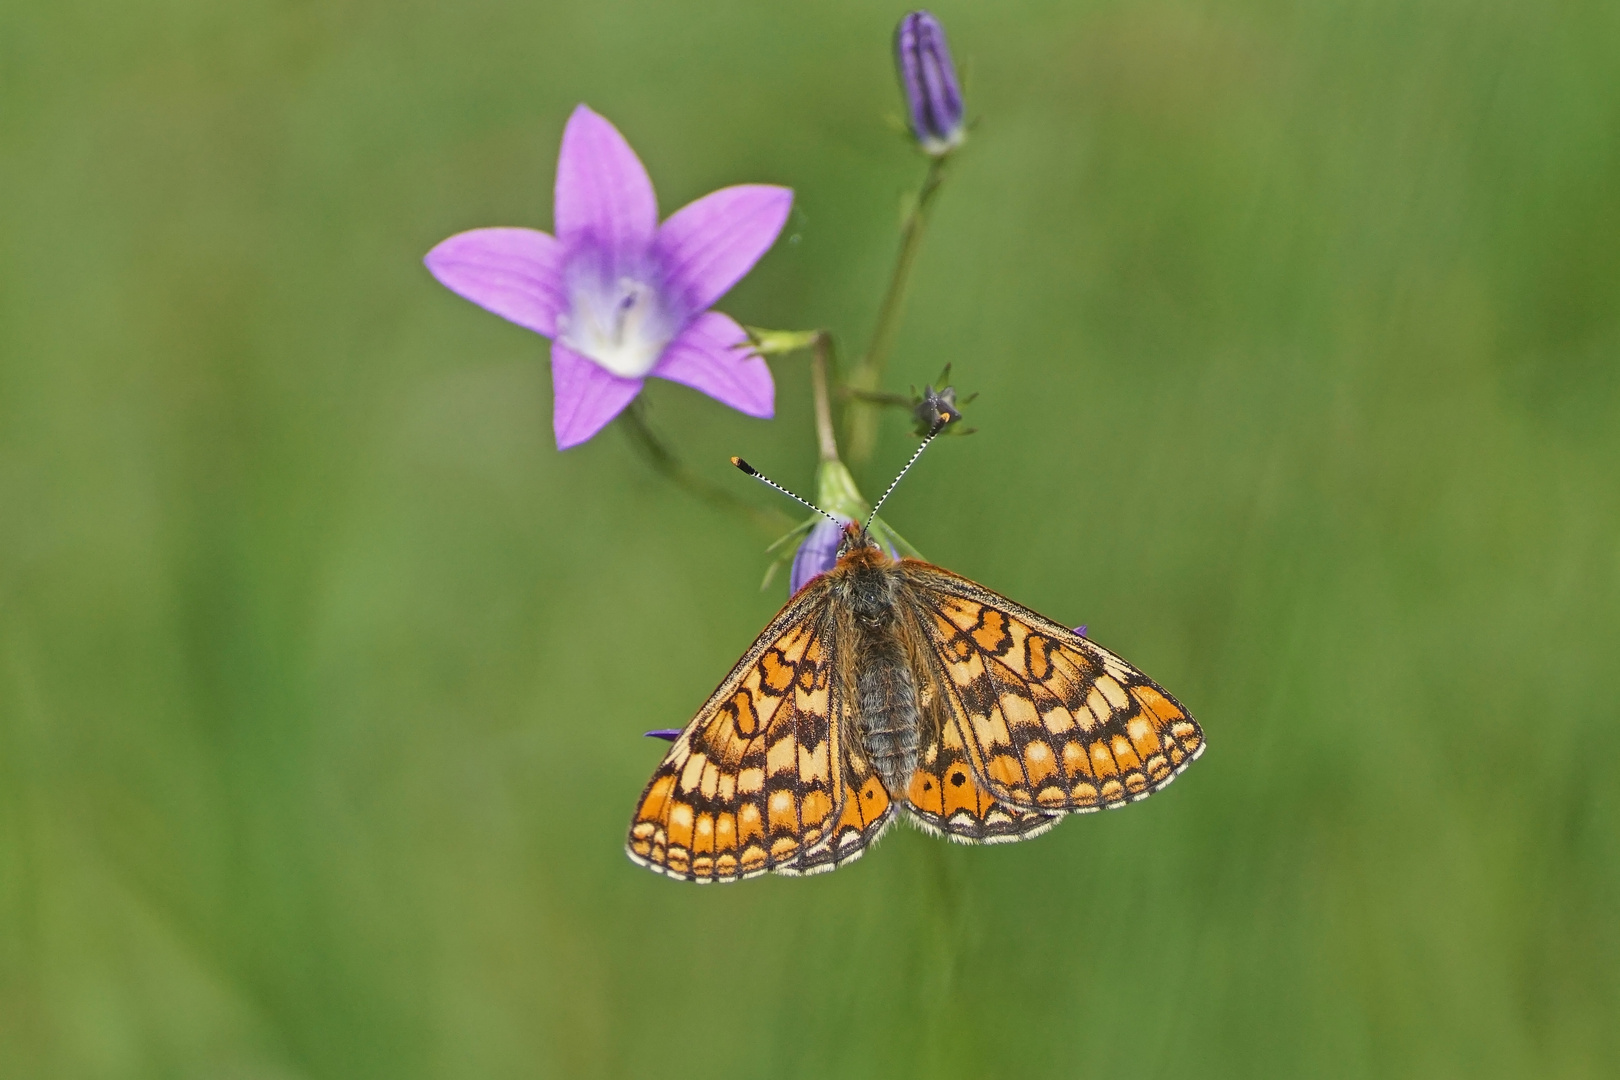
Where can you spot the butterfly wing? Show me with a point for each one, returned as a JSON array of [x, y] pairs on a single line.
[[1049, 721], [945, 797], [754, 782], [864, 813]]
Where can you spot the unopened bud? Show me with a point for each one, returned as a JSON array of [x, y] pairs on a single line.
[[929, 78]]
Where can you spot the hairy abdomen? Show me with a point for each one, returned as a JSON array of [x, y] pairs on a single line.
[[888, 708]]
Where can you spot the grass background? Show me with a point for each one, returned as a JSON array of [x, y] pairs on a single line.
[[322, 673]]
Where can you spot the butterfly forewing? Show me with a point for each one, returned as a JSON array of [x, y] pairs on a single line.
[[756, 781], [1050, 721]]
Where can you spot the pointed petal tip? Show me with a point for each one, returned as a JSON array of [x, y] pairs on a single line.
[[602, 189], [584, 114]]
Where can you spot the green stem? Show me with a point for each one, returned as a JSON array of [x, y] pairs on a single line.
[[826, 438], [663, 459], [868, 374]]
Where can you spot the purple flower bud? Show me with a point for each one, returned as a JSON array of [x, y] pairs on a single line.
[[667, 734], [930, 82], [817, 555]]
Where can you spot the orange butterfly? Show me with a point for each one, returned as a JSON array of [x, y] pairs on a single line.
[[889, 681]]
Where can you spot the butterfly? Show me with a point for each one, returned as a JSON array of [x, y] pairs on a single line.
[[892, 686]]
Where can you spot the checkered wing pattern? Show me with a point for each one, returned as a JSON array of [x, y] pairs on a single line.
[[1049, 722], [759, 780]]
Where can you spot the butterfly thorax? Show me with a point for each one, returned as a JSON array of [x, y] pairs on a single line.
[[875, 646]]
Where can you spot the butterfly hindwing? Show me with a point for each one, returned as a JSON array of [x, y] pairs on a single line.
[[754, 781], [864, 814], [1050, 721], [945, 796]]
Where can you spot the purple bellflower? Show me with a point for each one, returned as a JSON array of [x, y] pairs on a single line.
[[929, 77], [620, 296]]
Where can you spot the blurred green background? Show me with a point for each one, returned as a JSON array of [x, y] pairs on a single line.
[[1297, 329]]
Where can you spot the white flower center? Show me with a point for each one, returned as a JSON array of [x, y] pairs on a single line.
[[623, 326]]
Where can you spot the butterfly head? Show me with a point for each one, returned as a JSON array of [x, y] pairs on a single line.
[[858, 545]]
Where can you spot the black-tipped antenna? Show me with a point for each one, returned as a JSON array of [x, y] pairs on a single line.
[[755, 473], [937, 429]]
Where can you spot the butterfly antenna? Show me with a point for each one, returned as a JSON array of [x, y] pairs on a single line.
[[757, 475], [937, 429]]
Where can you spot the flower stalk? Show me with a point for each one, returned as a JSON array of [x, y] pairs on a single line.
[[820, 359], [938, 121], [867, 376]]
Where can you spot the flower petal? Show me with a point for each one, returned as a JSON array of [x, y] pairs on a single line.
[[603, 196], [585, 397], [516, 273], [708, 245], [712, 355]]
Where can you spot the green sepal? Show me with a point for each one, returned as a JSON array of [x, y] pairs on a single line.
[[836, 492], [777, 342], [797, 533]]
